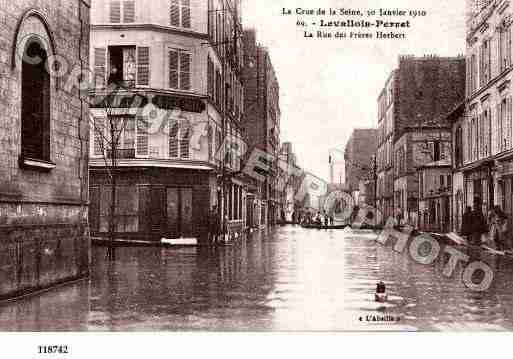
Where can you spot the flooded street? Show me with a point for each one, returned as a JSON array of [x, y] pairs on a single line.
[[293, 279]]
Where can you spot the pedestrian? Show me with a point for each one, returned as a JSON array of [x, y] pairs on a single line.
[[498, 228], [213, 225], [326, 220], [474, 224], [332, 220]]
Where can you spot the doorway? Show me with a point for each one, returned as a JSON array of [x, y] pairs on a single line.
[[179, 212]]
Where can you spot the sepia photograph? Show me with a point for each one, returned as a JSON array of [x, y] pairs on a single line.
[[244, 166]]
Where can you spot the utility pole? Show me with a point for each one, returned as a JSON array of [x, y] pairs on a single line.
[[375, 177]]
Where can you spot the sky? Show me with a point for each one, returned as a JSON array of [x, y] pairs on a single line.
[[328, 87]]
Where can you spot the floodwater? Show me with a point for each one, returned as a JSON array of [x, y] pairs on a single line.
[[291, 279]]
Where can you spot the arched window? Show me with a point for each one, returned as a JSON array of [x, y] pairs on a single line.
[[173, 141], [185, 143], [35, 102]]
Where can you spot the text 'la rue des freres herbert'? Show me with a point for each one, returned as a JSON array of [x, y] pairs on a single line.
[[346, 23]]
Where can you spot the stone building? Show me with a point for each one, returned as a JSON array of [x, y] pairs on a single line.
[[412, 108], [358, 156], [262, 117], [43, 145], [179, 107], [457, 118], [435, 188]]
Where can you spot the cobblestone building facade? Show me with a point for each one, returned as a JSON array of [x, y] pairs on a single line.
[[43, 145]]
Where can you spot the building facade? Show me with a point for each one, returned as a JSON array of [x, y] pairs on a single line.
[[43, 145], [435, 189], [487, 127], [411, 108], [358, 158], [179, 103], [262, 119]]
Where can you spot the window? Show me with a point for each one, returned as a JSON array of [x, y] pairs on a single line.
[[210, 140], [180, 13], [127, 64], [123, 137], [179, 69], [143, 66], [142, 137], [117, 12], [128, 11], [458, 150], [173, 142], [185, 143], [35, 103], [98, 133], [504, 48], [122, 65], [485, 65], [436, 151], [210, 78]]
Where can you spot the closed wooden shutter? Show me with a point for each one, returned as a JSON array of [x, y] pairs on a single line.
[[186, 14], [100, 55], [509, 126], [98, 136], [185, 71], [173, 141], [142, 137], [173, 69], [128, 11], [143, 66], [175, 13], [185, 143], [115, 11]]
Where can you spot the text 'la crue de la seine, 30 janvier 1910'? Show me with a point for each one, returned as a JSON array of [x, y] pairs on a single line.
[[343, 23]]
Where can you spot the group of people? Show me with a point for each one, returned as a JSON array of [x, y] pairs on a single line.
[[479, 229], [318, 219]]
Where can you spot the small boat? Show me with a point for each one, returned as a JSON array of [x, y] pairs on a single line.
[[316, 226], [381, 293]]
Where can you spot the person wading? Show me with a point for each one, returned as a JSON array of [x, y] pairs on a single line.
[[474, 224]]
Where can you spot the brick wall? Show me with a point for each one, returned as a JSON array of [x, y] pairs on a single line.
[[428, 88], [43, 214]]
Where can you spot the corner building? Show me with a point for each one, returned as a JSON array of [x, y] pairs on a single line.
[[183, 58]]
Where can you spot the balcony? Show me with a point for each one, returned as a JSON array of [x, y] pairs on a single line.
[[122, 154]]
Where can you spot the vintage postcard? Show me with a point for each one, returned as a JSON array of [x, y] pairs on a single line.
[[255, 166]]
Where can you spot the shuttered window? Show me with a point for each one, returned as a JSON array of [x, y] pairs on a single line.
[[99, 66], [98, 136], [180, 13], [173, 142], [142, 137], [180, 69], [115, 11], [143, 66], [185, 143], [128, 11]]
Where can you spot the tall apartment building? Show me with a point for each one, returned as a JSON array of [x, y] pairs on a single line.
[[44, 128], [412, 109], [358, 156], [262, 116], [487, 138], [180, 106]]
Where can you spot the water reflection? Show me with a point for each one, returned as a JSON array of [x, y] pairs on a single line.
[[291, 279]]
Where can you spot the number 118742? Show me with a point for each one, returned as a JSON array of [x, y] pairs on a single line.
[[53, 349]]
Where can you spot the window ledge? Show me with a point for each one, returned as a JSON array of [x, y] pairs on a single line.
[[38, 165]]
